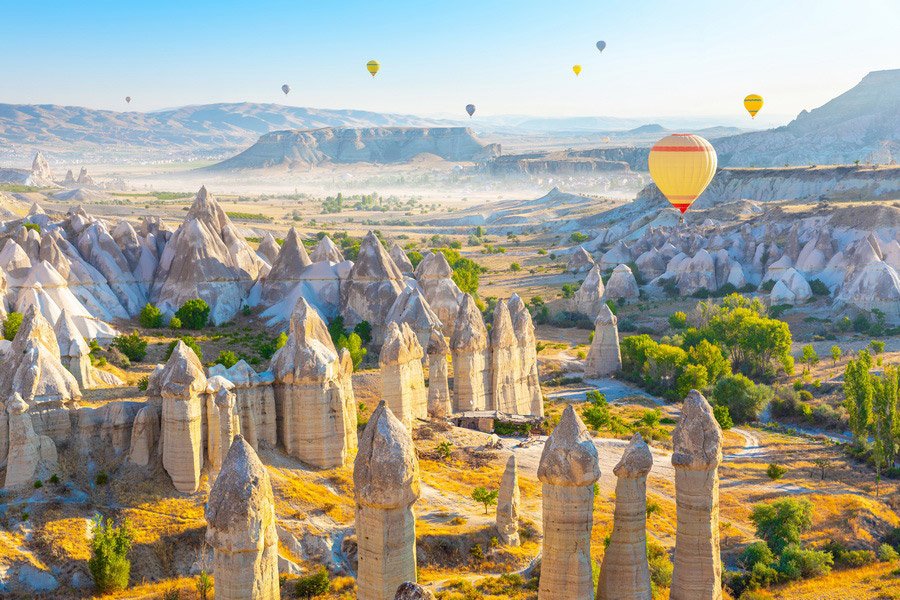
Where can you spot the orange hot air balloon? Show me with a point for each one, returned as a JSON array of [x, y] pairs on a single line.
[[682, 165]]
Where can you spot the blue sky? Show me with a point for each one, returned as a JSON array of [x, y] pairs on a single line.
[[664, 58]]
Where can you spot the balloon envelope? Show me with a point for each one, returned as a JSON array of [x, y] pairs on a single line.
[[470, 108], [128, 99], [577, 69], [682, 165], [753, 103], [372, 66], [601, 45], [285, 88]]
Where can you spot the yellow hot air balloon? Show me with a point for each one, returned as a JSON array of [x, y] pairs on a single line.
[[372, 66], [753, 103], [606, 140], [682, 165], [577, 69]]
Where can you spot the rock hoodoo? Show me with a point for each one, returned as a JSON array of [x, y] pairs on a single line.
[[581, 261], [372, 287], [402, 377], [590, 296], [506, 365], [182, 385], [327, 250], [255, 402], [508, 505], [530, 385], [604, 356], [435, 277], [240, 518], [568, 469], [471, 360], [400, 259], [27, 450], [287, 270], [439, 403], [386, 485]]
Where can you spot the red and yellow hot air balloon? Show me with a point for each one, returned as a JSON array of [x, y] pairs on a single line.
[[753, 103], [682, 165]]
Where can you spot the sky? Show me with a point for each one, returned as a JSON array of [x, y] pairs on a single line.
[[664, 58]]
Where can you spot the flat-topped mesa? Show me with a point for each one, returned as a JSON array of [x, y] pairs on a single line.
[[327, 250], [412, 308], [402, 377], [530, 384], [372, 287], [604, 356], [590, 297], [400, 259], [182, 385], [386, 485], [240, 518], [568, 469], [311, 393], [506, 365], [508, 505], [286, 270], [471, 360], [625, 573], [255, 403], [206, 258], [268, 248], [439, 402], [435, 277], [26, 450], [581, 261], [697, 452]]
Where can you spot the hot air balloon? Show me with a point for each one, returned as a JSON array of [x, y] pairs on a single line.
[[285, 88], [682, 165], [577, 69], [470, 108], [601, 45], [753, 103], [606, 140], [128, 99], [372, 66]]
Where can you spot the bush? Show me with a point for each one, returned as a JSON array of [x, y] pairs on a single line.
[[38, 484], [175, 323], [193, 314], [743, 398], [133, 346], [102, 478], [189, 342], [313, 585], [723, 417], [227, 359], [678, 320], [143, 383], [886, 553], [756, 553], [109, 564], [780, 523], [11, 325], [353, 343], [775, 472], [363, 329], [796, 563], [150, 317], [515, 267], [768, 285], [818, 288], [660, 565]]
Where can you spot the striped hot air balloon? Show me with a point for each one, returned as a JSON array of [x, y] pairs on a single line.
[[753, 103], [470, 108], [577, 69], [682, 165], [372, 67]]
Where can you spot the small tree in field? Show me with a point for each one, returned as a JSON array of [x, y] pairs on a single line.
[[313, 585], [835, 355], [109, 564], [193, 314], [485, 496], [809, 356]]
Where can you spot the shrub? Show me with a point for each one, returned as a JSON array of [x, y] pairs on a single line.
[[723, 417], [768, 285], [33, 227], [796, 563], [54, 479], [756, 553], [363, 329], [11, 325], [38, 484], [227, 359], [150, 317], [193, 314], [775, 472], [660, 565], [143, 383], [313, 585], [818, 288], [743, 398], [189, 342], [353, 343], [886, 553], [109, 564], [678, 320], [780, 523], [578, 238], [175, 323], [102, 478], [133, 346], [515, 267]]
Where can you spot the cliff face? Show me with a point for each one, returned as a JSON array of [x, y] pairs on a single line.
[[558, 163], [303, 149]]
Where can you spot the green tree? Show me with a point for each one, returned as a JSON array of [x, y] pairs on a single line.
[[193, 314], [596, 414], [693, 377], [515, 267], [809, 356], [11, 325], [133, 346], [281, 340], [485, 496], [858, 395], [109, 564], [313, 585], [877, 347], [666, 363], [885, 424], [781, 522], [364, 330], [678, 320], [743, 398], [175, 323], [775, 472], [336, 329], [189, 342], [835, 355], [150, 317], [723, 417], [636, 351], [353, 344], [227, 359], [710, 357]]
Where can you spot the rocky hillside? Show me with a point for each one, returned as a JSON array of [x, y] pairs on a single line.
[[861, 124], [304, 149]]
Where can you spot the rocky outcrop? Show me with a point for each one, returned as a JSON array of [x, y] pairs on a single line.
[[435, 277], [255, 404], [240, 527], [625, 573], [412, 308], [506, 365], [568, 469], [386, 484], [40, 168], [581, 261], [75, 356], [591, 295], [327, 250], [372, 287], [439, 402], [287, 269], [530, 384], [222, 421], [206, 258], [604, 357], [144, 434], [412, 591], [400, 259], [402, 378], [27, 450], [508, 505], [268, 248], [792, 288], [697, 452], [472, 381], [182, 385], [622, 284], [313, 402]]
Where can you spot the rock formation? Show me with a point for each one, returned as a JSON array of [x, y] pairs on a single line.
[[622, 284], [412, 591], [412, 308], [508, 505], [591, 295], [604, 357], [439, 402], [400, 259], [372, 287], [327, 250], [568, 469], [240, 519], [444, 297], [312, 400], [255, 403], [75, 355], [386, 484], [471, 360], [144, 434], [506, 365], [27, 450], [268, 248], [697, 452], [222, 420], [581, 261], [287, 269], [530, 383], [182, 385], [40, 168], [402, 378], [625, 573]]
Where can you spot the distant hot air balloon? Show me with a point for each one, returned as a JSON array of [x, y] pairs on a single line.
[[372, 66], [285, 88], [682, 165], [606, 140], [577, 69], [753, 103], [470, 108], [128, 99], [601, 45]]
